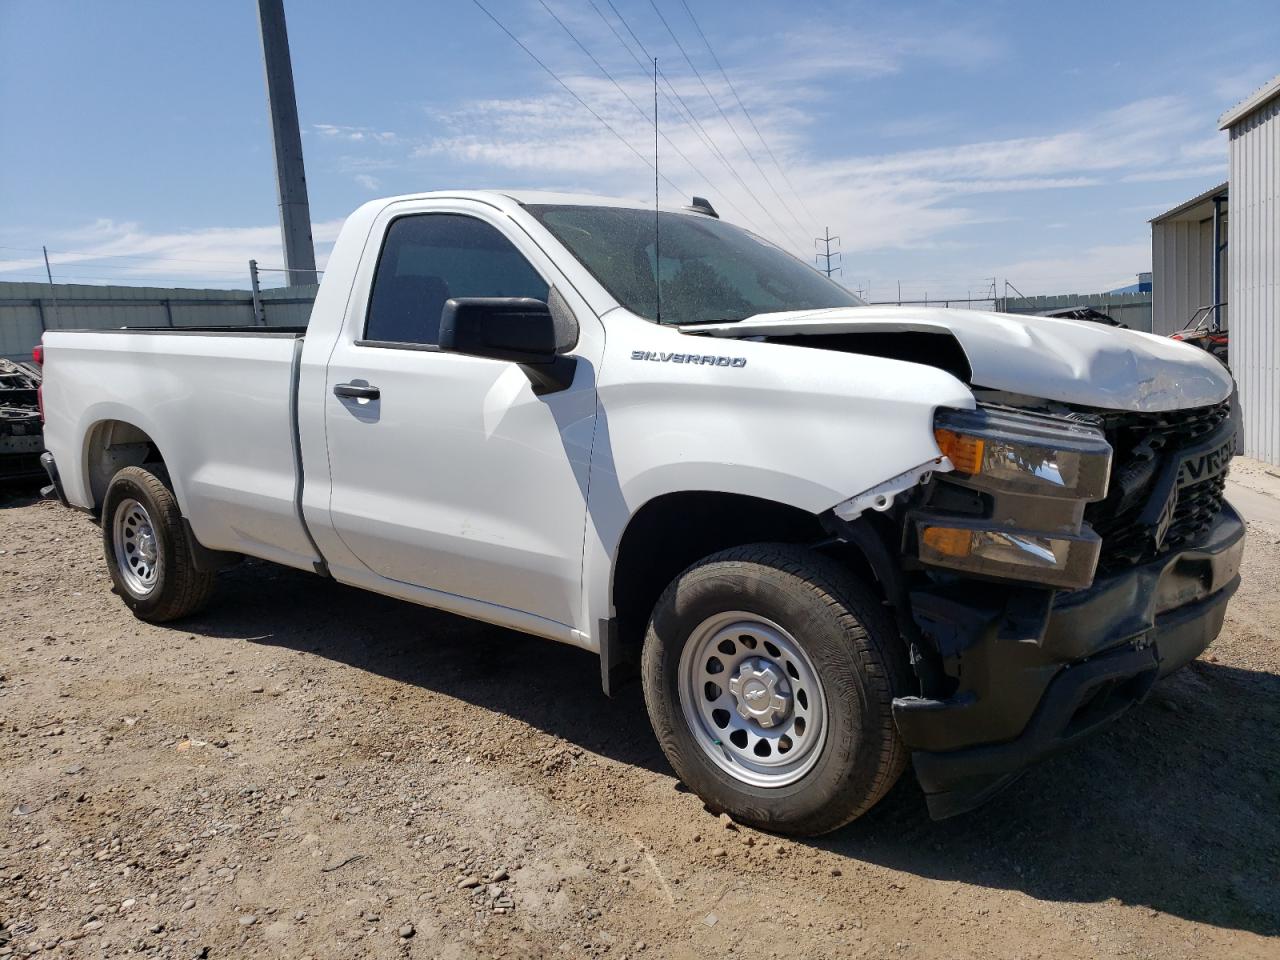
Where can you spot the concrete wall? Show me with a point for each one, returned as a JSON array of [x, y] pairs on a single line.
[[1254, 281], [28, 309], [1182, 272], [1131, 309]]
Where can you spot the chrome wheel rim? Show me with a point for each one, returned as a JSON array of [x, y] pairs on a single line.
[[752, 699], [137, 548]]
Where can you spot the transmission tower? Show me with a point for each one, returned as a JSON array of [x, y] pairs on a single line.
[[825, 255]]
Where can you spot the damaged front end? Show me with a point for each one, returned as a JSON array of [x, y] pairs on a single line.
[[1053, 565]]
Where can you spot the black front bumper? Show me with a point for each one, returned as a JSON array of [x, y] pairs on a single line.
[[1035, 671]]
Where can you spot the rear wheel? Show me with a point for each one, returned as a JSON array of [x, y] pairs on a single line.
[[147, 549], [769, 674]]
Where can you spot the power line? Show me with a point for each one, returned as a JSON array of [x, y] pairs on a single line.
[[651, 121], [678, 104], [614, 30], [569, 90], [684, 108], [715, 101], [727, 120], [742, 106], [692, 120], [644, 67]]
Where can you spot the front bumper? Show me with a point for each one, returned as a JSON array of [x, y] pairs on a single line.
[[1036, 671]]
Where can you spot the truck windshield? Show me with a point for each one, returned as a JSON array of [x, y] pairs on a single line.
[[711, 271]]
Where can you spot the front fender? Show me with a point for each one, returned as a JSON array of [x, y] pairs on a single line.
[[805, 427]]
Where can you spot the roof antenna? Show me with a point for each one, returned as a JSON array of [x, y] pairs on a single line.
[[657, 250]]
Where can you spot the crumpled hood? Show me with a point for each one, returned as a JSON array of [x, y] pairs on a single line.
[[1066, 360]]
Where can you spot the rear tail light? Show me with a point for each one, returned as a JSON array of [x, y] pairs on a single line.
[[37, 353]]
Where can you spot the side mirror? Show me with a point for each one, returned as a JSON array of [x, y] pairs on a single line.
[[502, 328], [522, 330]]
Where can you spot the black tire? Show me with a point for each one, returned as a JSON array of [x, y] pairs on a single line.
[[859, 659], [179, 589]]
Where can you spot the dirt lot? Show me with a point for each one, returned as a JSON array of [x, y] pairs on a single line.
[[307, 770]]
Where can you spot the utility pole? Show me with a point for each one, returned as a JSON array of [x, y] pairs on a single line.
[[291, 180], [826, 255]]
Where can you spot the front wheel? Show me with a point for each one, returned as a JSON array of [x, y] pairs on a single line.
[[146, 548], [769, 674]]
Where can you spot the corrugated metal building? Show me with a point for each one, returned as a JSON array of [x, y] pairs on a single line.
[[1254, 282], [1182, 241]]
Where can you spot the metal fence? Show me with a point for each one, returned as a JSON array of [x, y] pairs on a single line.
[[29, 309], [1131, 309]]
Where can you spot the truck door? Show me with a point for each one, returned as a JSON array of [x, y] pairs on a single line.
[[447, 471]]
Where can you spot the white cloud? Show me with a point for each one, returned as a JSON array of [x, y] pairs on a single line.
[[890, 200], [909, 200], [1087, 270], [107, 251], [1213, 171], [1241, 82], [355, 134]]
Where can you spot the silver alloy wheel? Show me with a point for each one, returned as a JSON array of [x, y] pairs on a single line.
[[752, 699], [137, 547]]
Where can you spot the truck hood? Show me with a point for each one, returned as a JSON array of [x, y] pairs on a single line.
[[1070, 361]]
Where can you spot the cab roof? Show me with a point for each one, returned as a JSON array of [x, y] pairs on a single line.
[[545, 197]]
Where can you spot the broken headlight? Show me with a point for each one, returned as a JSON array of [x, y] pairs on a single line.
[[1022, 453], [1033, 476]]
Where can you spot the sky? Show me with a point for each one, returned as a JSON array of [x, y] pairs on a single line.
[[945, 143]]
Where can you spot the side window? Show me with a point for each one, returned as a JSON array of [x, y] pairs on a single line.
[[428, 258]]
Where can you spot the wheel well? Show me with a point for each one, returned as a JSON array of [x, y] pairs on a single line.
[[671, 532], [113, 445]]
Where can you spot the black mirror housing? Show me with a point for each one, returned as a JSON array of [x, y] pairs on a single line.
[[518, 329], [521, 330]]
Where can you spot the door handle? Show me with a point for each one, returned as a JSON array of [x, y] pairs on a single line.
[[356, 391]]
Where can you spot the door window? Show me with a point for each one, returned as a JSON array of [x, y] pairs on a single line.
[[429, 258]]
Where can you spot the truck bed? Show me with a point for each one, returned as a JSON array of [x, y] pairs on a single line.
[[220, 402]]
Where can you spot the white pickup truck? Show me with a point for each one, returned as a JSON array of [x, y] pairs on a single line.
[[828, 536]]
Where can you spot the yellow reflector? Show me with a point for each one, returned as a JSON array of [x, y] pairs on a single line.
[[949, 542], [965, 453]]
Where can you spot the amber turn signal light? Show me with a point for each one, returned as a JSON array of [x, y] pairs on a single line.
[[948, 541], [965, 453]]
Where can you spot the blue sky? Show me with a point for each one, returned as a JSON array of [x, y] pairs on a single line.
[[946, 143]]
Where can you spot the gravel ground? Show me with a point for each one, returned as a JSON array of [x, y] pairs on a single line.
[[306, 770]]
